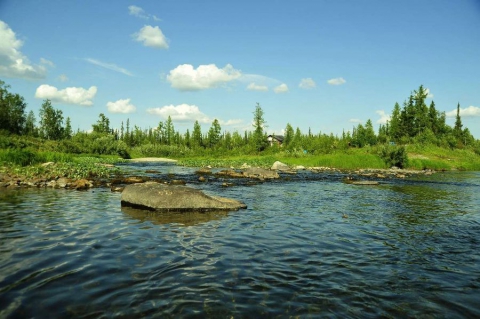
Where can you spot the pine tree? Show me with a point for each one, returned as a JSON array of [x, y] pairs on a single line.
[[214, 134], [259, 124], [369, 137], [421, 110], [289, 134], [197, 135], [68, 129], [457, 129]]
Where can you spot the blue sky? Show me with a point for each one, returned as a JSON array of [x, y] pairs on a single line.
[[323, 65]]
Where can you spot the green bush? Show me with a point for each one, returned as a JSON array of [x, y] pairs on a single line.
[[22, 157], [394, 155]]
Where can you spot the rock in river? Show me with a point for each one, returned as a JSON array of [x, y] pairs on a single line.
[[175, 198]]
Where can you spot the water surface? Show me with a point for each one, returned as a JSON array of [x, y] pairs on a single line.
[[310, 247]]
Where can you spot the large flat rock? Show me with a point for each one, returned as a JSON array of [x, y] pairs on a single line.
[[174, 198]]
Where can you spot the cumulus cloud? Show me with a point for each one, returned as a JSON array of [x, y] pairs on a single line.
[[151, 37], [255, 87], [70, 95], [185, 78], [384, 118], [180, 113], [471, 111], [307, 83], [109, 66], [13, 64], [336, 81], [121, 106], [140, 13], [282, 88]]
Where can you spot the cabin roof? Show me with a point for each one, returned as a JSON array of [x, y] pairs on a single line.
[[277, 137]]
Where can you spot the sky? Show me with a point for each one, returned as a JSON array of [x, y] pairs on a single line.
[[323, 65]]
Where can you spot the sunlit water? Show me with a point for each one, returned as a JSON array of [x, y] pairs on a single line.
[[310, 247]]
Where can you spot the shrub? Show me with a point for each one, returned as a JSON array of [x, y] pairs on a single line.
[[394, 156]]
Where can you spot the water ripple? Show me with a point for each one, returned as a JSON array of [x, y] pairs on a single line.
[[307, 248]]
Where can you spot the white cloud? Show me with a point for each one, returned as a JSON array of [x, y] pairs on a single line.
[[151, 37], [282, 88], [307, 83], [471, 111], [384, 118], [121, 106], [140, 13], [355, 121], [185, 78], [137, 12], [13, 64], [336, 81], [255, 87], [180, 113], [429, 95], [62, 78], [70, 95], [234, 122], [109, 66], [47, 62]]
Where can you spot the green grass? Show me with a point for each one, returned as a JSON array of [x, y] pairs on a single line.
[[339, 160], [438, 158], [419, 158]]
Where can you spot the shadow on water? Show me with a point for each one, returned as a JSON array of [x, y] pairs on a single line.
[[182, 219]]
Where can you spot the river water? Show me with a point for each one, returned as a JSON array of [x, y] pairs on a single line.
[[310, 246]]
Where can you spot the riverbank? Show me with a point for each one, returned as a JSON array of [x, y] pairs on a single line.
[[83, 172], [419, 158]]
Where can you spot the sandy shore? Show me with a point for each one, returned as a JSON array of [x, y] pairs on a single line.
[[152, 159]]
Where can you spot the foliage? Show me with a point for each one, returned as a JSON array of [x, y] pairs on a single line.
[[259, 141], [51, 122], [394, 156], [12, 110], [413, 124]]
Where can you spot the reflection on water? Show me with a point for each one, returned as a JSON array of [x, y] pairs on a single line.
[[311, 247], [183, 219]]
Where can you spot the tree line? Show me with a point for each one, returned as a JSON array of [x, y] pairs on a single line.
[[414, 123]]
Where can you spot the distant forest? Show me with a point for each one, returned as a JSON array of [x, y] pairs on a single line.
[[413, 122]]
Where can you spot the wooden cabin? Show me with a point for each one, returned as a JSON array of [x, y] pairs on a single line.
[[275, 140]]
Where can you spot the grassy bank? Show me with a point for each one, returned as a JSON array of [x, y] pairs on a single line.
[[419, 158], [28, 164], [438, 158]]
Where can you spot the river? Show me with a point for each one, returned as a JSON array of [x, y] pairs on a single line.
[[309, 246]]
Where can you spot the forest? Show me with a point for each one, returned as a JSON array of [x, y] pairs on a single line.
[[413, 123]]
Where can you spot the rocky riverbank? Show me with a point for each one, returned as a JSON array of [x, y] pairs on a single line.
[[227, 177]]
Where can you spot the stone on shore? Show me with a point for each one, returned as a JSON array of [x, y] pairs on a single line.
[[174, 198], [280, 166]]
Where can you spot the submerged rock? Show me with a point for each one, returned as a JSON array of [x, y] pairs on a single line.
[[364, 183], [174, 198], [260, 173]]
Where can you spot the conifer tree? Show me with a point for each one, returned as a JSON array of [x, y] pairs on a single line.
[[259, 124], [457, 130], [197, 135]]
